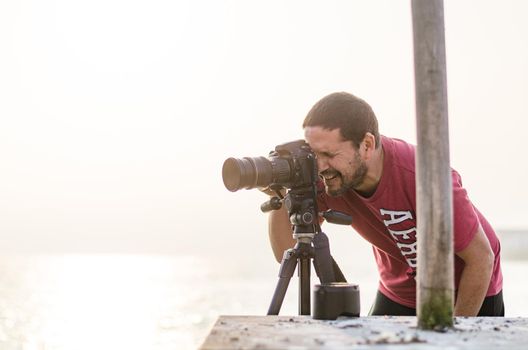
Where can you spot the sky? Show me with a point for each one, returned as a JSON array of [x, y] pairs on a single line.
[[116, 116]]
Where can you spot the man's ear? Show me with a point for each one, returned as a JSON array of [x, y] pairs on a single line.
[[368, 145]]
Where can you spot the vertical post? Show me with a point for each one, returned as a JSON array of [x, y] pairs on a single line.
[[433, 177]]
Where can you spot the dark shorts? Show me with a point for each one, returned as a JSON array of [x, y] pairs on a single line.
[[492, 306]]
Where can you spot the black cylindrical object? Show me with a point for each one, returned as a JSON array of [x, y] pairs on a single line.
[[332, 300], [251, 172]]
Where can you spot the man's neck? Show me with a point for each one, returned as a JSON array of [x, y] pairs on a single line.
[[374, 173]]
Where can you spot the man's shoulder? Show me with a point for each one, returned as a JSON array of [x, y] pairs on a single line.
[[399, 152], [399, 145]]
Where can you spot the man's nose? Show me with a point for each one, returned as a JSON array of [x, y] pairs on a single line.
[[322, 164]]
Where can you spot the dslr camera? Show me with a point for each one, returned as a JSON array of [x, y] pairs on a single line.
[[291, 165]]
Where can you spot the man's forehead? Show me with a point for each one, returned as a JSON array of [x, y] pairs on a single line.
[[321, 139], [319, 131]]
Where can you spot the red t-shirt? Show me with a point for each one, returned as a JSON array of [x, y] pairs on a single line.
[[387, 220]]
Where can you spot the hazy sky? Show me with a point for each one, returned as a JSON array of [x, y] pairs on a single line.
[[116, 116]]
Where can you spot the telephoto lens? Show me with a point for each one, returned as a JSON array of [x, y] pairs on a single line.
[[252, 172]]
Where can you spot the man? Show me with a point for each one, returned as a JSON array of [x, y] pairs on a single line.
[[372, 178]]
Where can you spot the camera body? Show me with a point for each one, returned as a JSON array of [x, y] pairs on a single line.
[[291, 165], [302, 164]]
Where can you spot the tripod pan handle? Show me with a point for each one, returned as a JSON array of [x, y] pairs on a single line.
[[336, 217]]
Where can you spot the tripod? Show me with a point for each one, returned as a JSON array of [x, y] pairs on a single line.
[[312, 243]]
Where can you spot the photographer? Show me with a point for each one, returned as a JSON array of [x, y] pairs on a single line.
[[372, 178]]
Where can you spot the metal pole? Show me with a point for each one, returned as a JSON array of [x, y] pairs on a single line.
[[433, 177]]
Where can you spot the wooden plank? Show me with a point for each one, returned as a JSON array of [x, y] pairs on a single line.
[[303, 332]]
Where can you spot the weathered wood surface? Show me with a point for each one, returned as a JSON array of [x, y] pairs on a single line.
[[302, 332], [433, 178]]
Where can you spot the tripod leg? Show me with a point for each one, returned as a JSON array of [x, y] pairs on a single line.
[[287, 268], [326, 267], [304, 286], [337, 271], [323, 260]]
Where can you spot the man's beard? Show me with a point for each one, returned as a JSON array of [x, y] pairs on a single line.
[[348, 182]]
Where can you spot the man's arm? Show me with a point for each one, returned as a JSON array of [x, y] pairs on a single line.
[[280, 232], [474, 282]]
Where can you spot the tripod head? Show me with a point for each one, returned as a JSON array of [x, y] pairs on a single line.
[[302, 209]]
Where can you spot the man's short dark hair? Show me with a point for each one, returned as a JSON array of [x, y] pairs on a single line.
[[346, 112]]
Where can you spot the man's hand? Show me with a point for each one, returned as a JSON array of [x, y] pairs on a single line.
[[270, 192], [478, 258]]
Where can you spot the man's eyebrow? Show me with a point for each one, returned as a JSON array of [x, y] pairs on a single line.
[[327, 153]]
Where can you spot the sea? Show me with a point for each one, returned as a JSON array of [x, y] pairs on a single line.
[[169, 301]]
